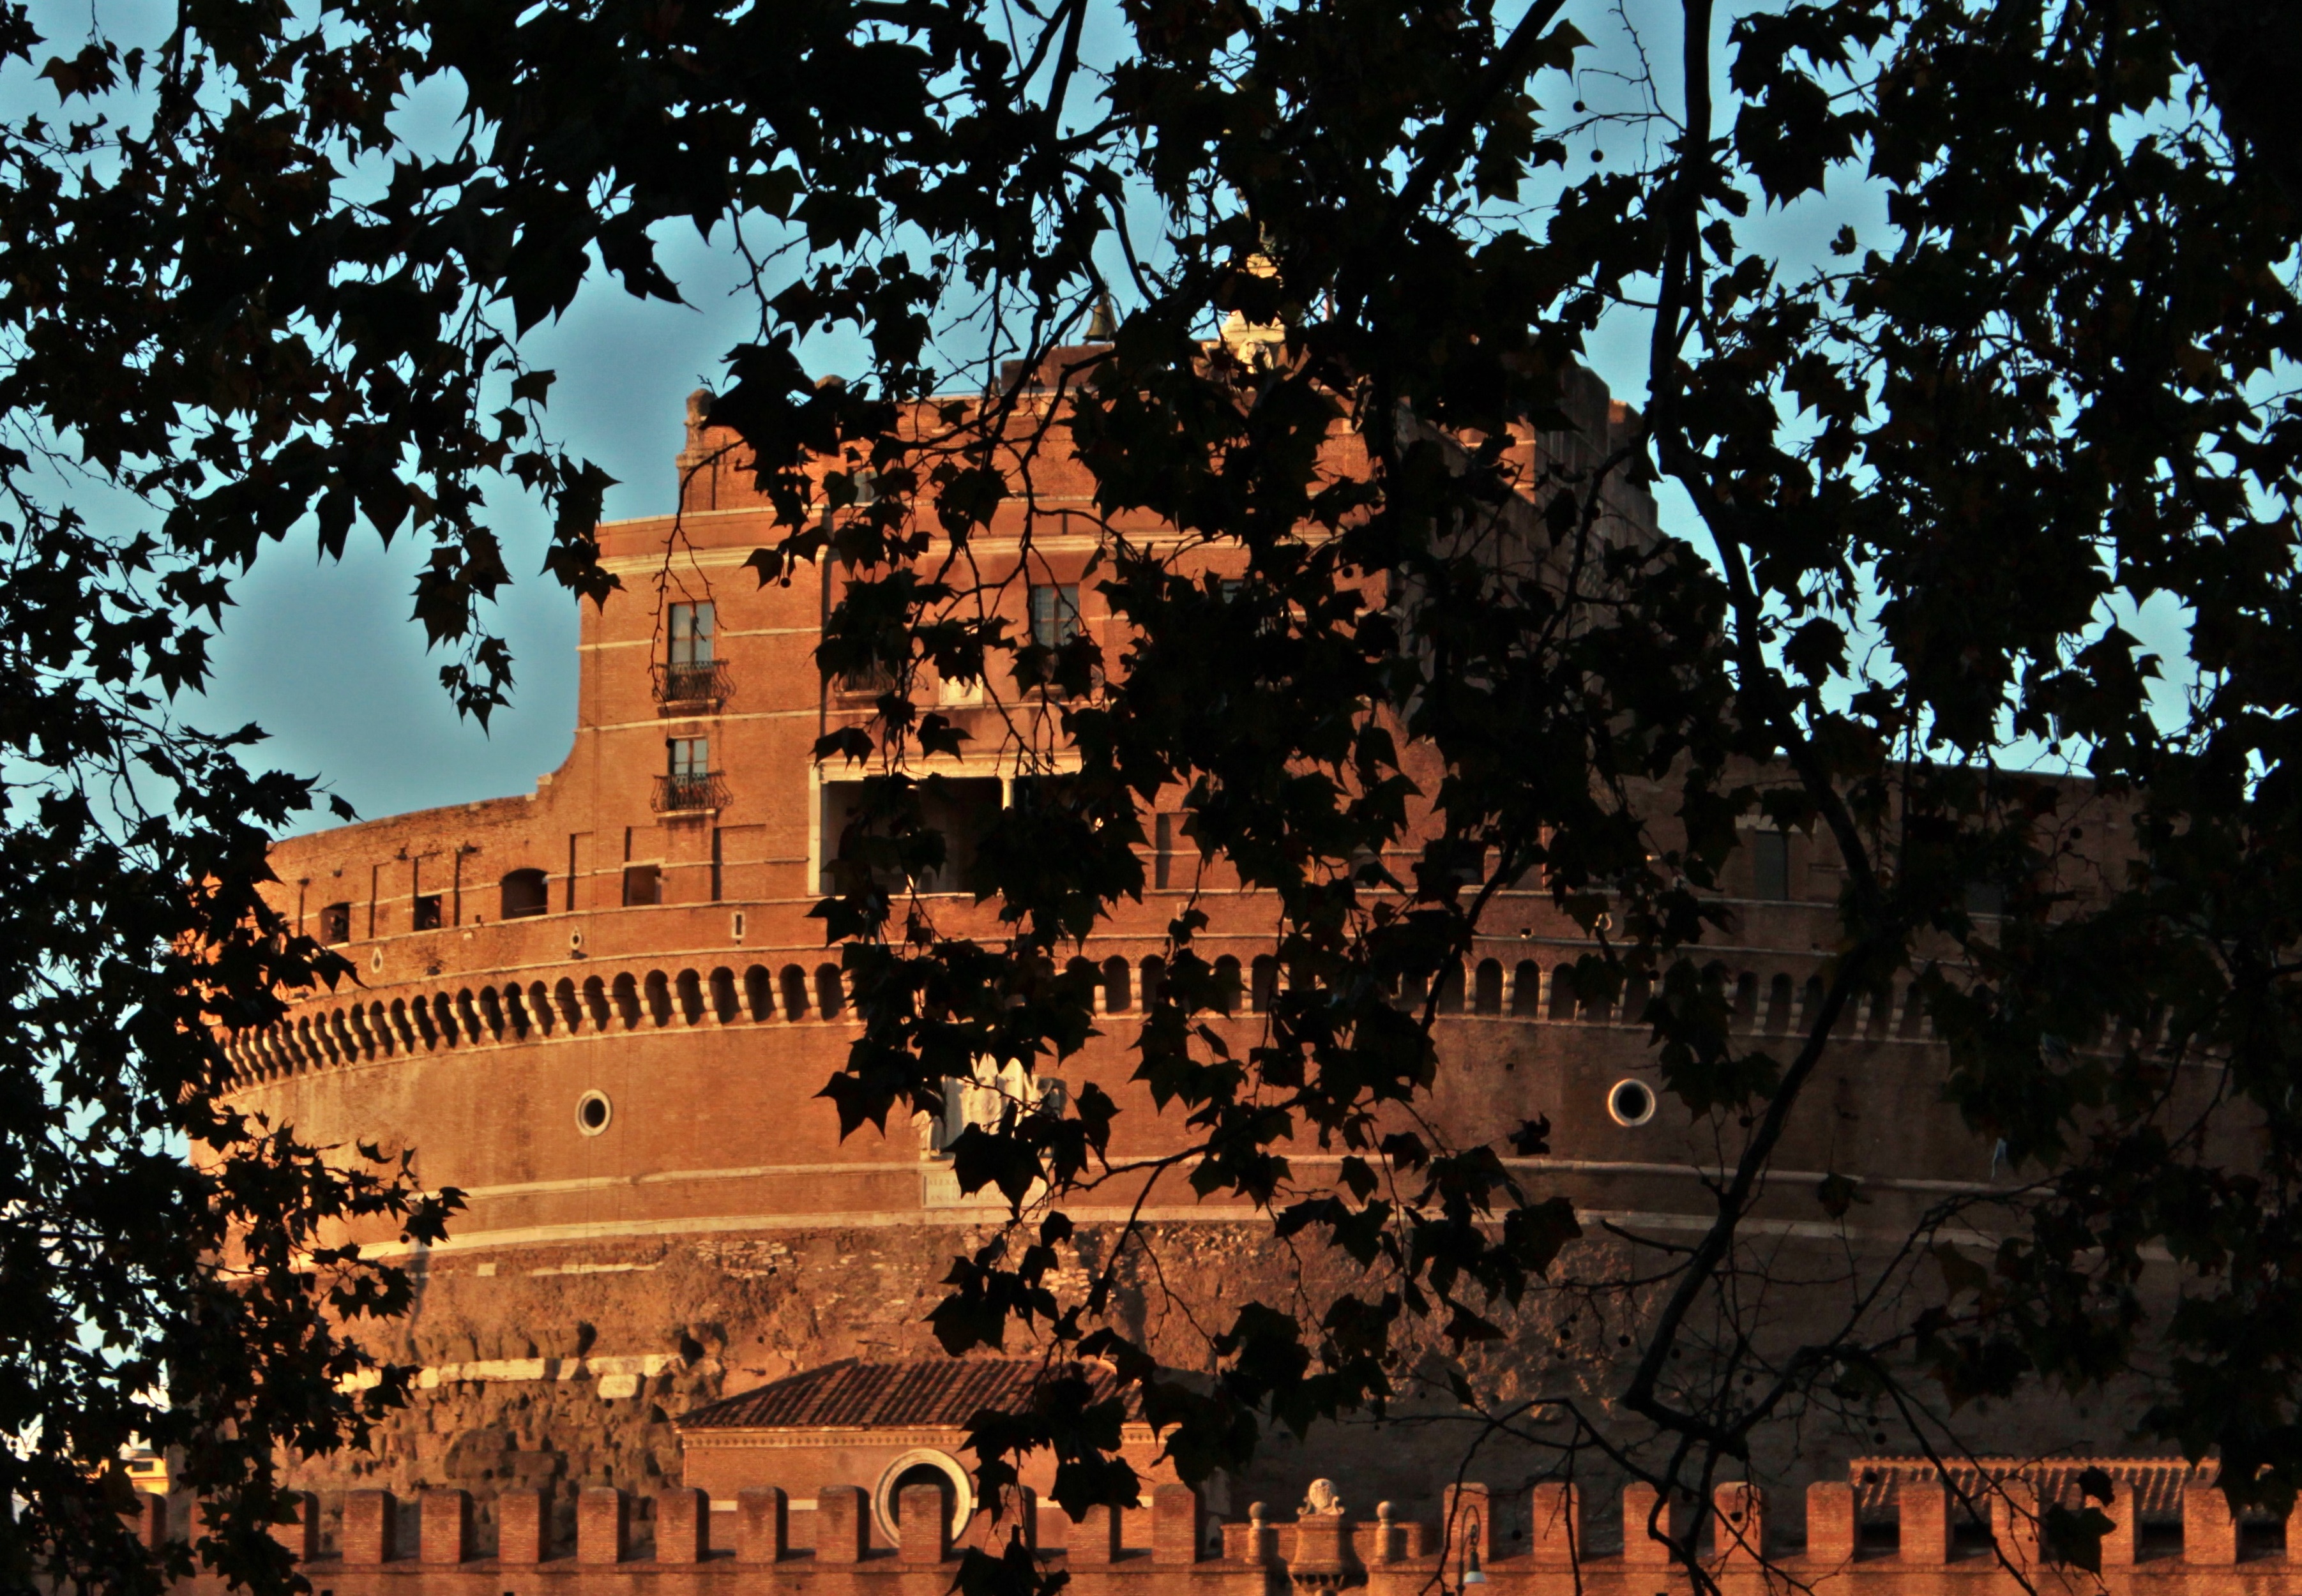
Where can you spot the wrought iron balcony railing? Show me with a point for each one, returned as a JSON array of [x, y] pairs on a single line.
[[690, 794], [680, 685]]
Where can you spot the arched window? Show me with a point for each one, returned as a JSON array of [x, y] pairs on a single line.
[[1810, 1002], [595, 1002], [1526, 989], [1562, 993], [1451, 987], [1227, 985], [1116, 998], [1487, 989], [759, 993], [659, 997], [1155, 980], [1415, 992], [571, 1007], [491, 1012], [1746, 1000], [1263, 989], [1914, 1012], [794, 981], [831, 998], [539, 1007], [690, 997], [525, 892], [1635, 992], [1778, 1003], [724, 1007], [515, 1011], [627, 1001]]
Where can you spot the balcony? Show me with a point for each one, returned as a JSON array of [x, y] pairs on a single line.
[[691, 689], [690, 794]]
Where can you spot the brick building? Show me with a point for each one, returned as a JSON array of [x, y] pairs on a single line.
[[602, 1011]]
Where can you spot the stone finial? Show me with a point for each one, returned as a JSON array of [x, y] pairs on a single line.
[[520, 1526], [603, 1525], [762, 1525], [1322, 1497], [1386, 1534], [444, 1528]]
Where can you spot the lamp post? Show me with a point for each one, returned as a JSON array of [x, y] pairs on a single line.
[[1473, 1575]]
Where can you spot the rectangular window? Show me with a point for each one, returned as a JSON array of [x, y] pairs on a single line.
[[1982, 897], [1054, 613], [642, 885], [1770, 866], [691, 758], [427, 912], [690, 635], [1163, 851], [336, 924]]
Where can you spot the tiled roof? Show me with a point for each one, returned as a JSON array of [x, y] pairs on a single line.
[[2157, 1482], [851, 1395]]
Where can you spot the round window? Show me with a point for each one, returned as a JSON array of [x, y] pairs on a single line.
[[923, 1466], [592, 1113], [1631, 1103]]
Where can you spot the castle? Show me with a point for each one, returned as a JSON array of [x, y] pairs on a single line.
[[602, 1011]]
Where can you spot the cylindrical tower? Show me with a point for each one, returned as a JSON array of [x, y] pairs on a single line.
[[603, 1011]]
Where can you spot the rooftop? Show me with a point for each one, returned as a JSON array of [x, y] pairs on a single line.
[[852, 1395]]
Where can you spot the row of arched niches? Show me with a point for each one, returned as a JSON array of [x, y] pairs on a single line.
[[515, 1012]]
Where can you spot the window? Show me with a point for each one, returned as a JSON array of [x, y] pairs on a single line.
[[689, 671], [687, 782], [1982, 897], [336, 924], [691, 635], [1054, 614], [642, 885], [427, 912], [1770, 866], [524, 892]]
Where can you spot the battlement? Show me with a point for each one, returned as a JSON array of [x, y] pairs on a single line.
[[1978, 1531]]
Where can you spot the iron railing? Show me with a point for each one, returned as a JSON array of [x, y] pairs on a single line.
[[688, 795], [691, 684]]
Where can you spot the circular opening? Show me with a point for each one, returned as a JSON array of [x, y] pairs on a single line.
[[923, 1466], [1630, 1102], [592, 1113]]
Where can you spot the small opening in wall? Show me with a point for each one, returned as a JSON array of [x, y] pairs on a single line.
[[336, 924], [592, 1113], [1630, 1102], [427, 912]]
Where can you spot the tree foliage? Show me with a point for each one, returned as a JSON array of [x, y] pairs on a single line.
[[1931, 475]]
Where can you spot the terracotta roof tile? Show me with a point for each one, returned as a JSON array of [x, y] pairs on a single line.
[[853, 1395], [2157, 1482]]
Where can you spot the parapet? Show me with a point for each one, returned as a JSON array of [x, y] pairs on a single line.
[[1889, 1531]]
